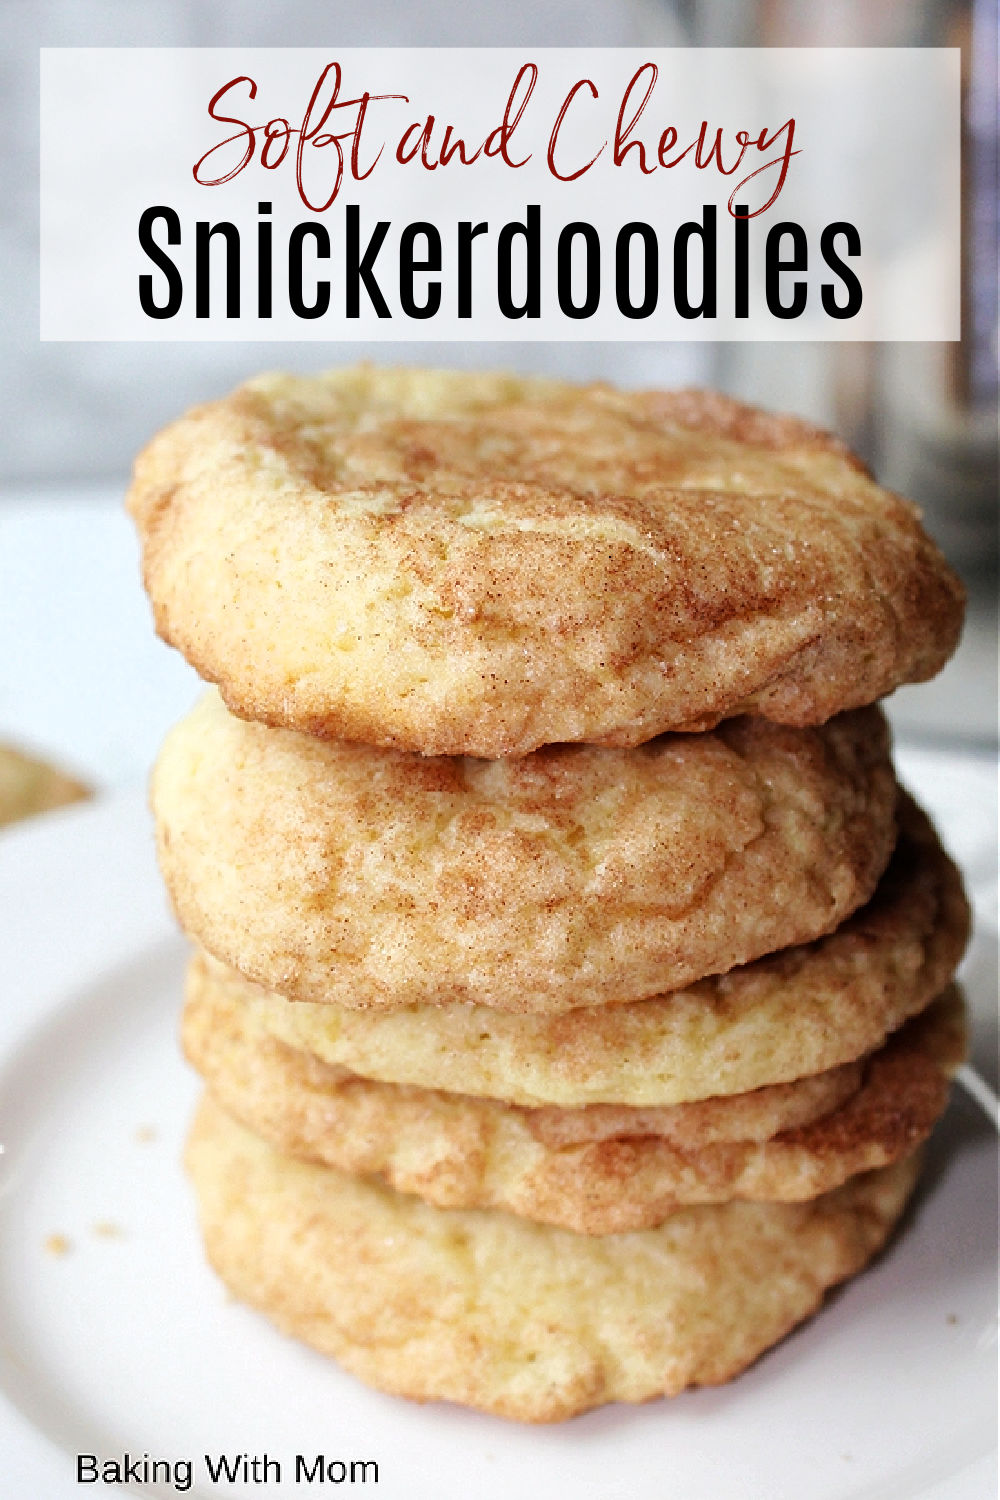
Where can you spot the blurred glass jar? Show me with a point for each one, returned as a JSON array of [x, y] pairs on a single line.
[[924, 416]]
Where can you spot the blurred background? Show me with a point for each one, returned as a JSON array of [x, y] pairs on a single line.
[[84, 681]]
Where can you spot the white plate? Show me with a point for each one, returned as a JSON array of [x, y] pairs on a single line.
[[126, 1344]]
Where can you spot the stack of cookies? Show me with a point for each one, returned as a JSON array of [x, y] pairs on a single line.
[[573, 981]]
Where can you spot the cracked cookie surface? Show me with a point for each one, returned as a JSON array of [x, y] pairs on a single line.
[[460, 563], [576, 876], [596, 1170], [792, 1014], [519, 1319]]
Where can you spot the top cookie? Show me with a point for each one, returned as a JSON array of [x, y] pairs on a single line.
[[476, 564]]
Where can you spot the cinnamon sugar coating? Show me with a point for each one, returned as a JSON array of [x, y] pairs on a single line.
[[597, 1170], [460, 563], [576, 876], [795, 1013], [522, 1320]]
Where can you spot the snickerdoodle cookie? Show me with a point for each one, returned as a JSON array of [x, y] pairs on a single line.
[[576, 876], [460, 563], [520, 1319], [796, 1013], [602, 1169]]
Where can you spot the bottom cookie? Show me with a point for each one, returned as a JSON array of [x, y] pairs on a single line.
[[515, 1318]]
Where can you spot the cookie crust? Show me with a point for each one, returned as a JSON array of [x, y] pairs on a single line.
[[518, 1319], [577, 876], [795, 1013], [470, 564], [596, 1170]]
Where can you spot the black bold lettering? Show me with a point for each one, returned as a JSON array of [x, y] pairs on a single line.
[[360, 269], [531, 232], [407, 266], [705, 231], [592, 270], [204, 233], [175, 286], [853, 286], [299, 306], [741, 260], [774, 265], [651, 270], [264, 264], [467, 232]]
